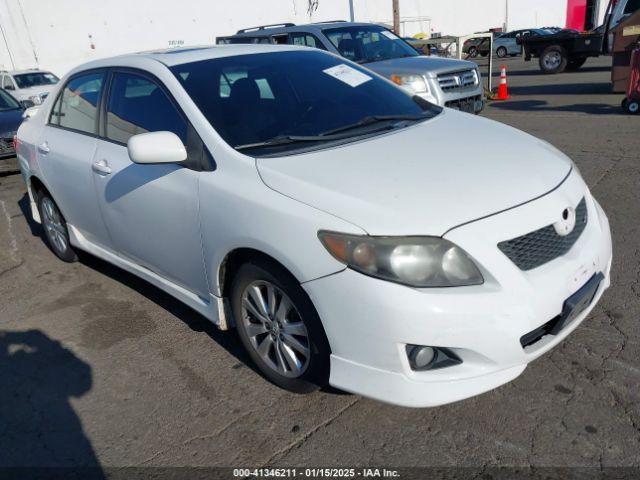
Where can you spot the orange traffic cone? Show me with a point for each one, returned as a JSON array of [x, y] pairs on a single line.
[[502, 89]]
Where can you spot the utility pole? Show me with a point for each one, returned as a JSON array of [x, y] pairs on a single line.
[[506, 15], [352, 17], [396, 16]]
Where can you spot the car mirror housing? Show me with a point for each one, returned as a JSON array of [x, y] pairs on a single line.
[[29, 112], [156, 147]]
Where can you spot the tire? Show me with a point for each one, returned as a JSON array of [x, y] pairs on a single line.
[[473, 52], [574, 64], [632, 107], [501, 52], [276, 341], [553, 59], [484, 54], [55, 228]]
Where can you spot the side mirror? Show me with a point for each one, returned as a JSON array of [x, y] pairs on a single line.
[[156, 147], [29, 112]]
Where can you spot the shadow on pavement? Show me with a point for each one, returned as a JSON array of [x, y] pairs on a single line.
[[40, 433], [195, 321], [542, 106], [603, 88]]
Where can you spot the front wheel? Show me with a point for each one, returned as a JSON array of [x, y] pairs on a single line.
[[473, 52], [501, 52], [553, 59], [55, 228], [279, 327]]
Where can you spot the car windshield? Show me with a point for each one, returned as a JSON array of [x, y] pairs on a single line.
[[294, 99], [7, 102], [363, 44], [35, 79]]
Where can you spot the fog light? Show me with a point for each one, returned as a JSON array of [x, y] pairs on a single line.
[[420, 357], [431, 358]]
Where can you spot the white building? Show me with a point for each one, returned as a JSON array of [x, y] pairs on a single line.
[[59, 34]]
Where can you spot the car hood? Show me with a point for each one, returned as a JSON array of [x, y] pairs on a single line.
[[25, 93], [424, 179], [10, 120], [420, 65]]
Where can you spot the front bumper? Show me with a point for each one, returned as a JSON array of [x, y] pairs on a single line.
[[470, 100], [369, 321]]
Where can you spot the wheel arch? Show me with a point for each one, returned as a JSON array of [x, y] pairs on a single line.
[[34, 186], [232, 262]]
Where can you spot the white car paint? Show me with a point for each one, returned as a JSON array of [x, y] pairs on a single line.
[[421, 180], [35, 94]]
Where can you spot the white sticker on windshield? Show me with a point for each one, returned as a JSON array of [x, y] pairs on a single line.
[[389, 34], [347, 74]]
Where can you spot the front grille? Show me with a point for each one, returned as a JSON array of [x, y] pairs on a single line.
[[458, 80], [541, 246], [6, 146]]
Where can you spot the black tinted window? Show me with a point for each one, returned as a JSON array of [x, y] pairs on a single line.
[[77, 106], [306, 40], [369, 44], [138, 105], [27, 80], [253, 98], [7, 102]]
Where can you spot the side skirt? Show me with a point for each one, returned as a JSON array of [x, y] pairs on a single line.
[[214, 308]]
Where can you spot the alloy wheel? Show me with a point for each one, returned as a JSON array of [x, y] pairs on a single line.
[[552, 60], [275, 329], [54, 227]]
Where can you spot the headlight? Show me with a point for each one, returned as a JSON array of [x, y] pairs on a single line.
[[413, 261], [412, 83], [35, 99]]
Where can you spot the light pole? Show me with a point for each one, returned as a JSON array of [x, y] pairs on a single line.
[[351, 14]]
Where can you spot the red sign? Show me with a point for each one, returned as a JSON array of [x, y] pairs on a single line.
[[576, 14]]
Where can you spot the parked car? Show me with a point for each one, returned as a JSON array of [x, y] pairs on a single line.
[[10, 119], [30, 87], [569, 49], [470, 47], [443, 81], [336, 221], [506, 44]]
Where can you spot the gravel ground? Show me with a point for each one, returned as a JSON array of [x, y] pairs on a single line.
[[98, 368]]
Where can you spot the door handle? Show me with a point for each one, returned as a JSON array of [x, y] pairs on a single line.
[[101, 167], [44, 148]]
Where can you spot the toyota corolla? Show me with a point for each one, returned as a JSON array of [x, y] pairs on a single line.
[[337, 222]]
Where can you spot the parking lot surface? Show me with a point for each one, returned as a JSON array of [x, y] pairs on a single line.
[[99, 368]]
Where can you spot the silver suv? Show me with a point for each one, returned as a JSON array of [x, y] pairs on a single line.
[[443, 81]]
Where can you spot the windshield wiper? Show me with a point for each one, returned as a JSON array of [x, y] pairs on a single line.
[[336, 133], [372, 119], [282, 140]]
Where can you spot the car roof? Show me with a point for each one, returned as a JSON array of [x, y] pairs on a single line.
[[178, 56], [19, 72], [309, 27]]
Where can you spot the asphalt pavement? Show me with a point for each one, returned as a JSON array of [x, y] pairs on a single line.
[[100, 369]]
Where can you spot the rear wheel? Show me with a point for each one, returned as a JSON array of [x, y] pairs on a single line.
[[574, 64], [279, 327], [632, 106], [553, 59], [55, 228], [501, 52], [473, 52]]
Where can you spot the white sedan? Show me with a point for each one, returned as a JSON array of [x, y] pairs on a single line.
[[343, 227]]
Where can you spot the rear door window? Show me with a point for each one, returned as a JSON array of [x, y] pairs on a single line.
[[76, 107]]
